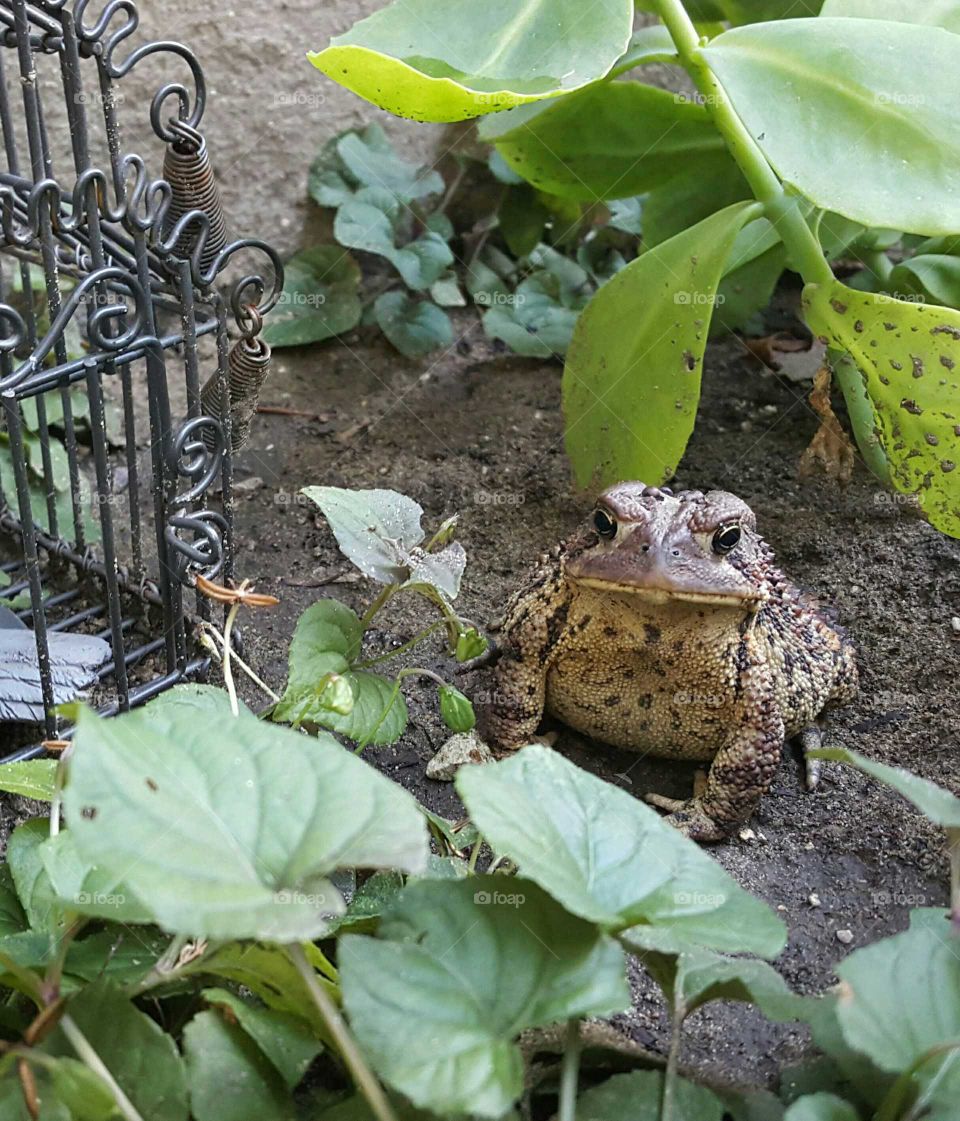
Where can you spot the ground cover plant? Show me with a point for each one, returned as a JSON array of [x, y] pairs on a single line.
[[739, 180], [236, 920]]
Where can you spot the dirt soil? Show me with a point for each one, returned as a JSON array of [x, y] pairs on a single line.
[[479, 432]]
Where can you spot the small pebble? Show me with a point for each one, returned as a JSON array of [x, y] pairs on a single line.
[[464, 747], [845, 936], [955, 624], [813, 899], [809, 846], [747, 835], [253, 483]]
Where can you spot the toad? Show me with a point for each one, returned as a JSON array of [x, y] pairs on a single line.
[[663, 626]]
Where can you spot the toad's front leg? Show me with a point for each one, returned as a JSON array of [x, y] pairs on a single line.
[[743, 769]]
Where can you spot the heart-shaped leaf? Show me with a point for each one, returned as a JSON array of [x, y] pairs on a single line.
[[229, 830], [608, 857], [415, 327], [427, 998], [319, 299], [638, 1096], [463, 59]]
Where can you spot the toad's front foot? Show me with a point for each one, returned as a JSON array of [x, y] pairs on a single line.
[[690, 818]]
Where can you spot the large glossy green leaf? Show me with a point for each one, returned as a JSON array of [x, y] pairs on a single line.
[[637, 1097], [229, 830], [908, 355], [460, 59], [938, 13], [319, 298], [457, 972], [901, 998], [933, 276], [230, 1078], [142, 1058], [631, 383], [609, 141], [608, 857], [31, 779], [887, 90]]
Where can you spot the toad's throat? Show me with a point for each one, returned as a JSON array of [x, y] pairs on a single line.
[[660, 595]]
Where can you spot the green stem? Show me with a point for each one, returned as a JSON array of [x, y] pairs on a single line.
[[781, 210], [84, 1051], [860, 410], [678, 1012], [569, 1072], [362, 1075], [425, 633], [903, 1090], [474, 855], [385, 594]]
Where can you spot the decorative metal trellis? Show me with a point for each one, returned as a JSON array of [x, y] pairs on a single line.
[[110, 307]]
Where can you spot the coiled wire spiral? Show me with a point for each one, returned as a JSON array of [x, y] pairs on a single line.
[[186, 167]]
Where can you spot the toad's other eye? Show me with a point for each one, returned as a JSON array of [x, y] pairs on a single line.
[[604, 524], [726, 538]]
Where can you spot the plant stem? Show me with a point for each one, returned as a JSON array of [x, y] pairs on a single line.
[[227, 652], [475, 855], [781, 210], [402, 649], [210, 630], [83, 1049], [668, 1102], [386, 593], [58, 780], [356, 1064], [569, 1072], [953, 848]]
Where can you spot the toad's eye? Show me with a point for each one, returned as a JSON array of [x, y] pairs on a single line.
[[726, 538], [604, 524]]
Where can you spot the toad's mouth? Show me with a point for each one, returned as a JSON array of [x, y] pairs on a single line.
[[659, 595]]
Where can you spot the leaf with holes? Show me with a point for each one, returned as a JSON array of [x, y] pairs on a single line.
[[907, 355], [631, 383], [463, 59]]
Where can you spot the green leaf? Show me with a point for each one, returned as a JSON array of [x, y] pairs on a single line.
[[522, 217], [414, 327], [465, 59], [67, 1090], [427, 998], [704, 976], [371, 162], [907, 355], [142, 1058], [40, 902], [374, 528], [319, 299], [648, 44], [631, 383], [637, 1097], [893, 122], [446, 291], [934, 276], [230, 1079], [268, 972], [372, 221], [125, 954], [608, 857], [939, 13], [821, 1107], [85, 888], [326, 640], [609, 141], [230, 831], [285, 1040], [939, 805], [533, 321], [13, 919], [900, 998], [756, 262], [32, 779]]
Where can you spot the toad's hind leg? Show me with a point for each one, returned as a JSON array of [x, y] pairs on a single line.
[[810, 739], [743, 769]]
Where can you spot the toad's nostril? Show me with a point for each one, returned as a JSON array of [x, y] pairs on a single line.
[[645, 548]]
